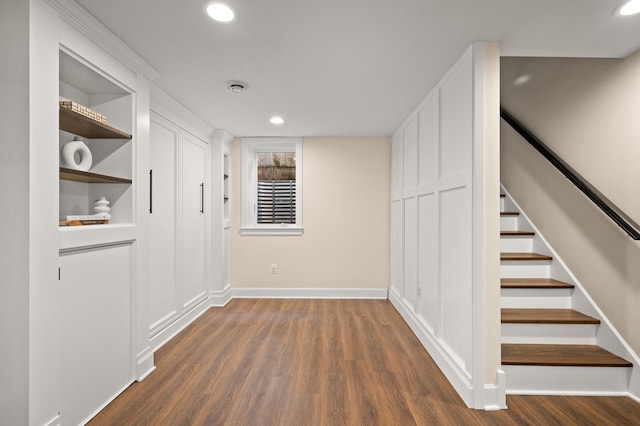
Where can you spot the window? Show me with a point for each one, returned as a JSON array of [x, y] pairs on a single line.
[[271, 186]]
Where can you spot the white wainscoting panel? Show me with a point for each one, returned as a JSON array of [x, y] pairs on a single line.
[[455, 273], [432, 244], [410, 156], [410, 252], [429, 140], [428, 261], [397, 247]]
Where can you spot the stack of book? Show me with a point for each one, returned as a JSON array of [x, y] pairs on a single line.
[[81, 109], [82, 219]]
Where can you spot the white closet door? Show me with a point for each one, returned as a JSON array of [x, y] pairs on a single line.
[[194, 212], [163, 291]]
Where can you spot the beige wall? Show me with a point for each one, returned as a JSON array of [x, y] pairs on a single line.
[[587, 111], [345, 217]]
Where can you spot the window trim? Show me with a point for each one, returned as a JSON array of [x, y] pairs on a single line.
[[249, 220]]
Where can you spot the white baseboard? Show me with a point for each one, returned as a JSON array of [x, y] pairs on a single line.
[[493, 396], [220, 298], [55, 421], [144, 364], [162, 337], [107, 402], [458, 379], [310, 293]]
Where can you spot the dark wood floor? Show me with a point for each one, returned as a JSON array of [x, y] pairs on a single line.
[[321, 362]]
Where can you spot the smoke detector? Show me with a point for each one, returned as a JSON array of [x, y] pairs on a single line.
[[237, 86]]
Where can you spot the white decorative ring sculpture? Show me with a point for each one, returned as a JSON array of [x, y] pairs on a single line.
[[76, 149]]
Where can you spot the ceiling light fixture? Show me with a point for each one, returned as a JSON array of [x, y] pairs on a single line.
[[237, 86], [276, 120], [631, 7], [219, 12], [524, 78]]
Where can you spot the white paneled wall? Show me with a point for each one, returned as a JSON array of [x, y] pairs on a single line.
[[440, 271]]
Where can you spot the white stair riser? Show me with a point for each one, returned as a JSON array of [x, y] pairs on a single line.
[[526, 379], [508, 223], [550, 380], [535, 298], [516, 244], [567, 334], [524, 269]]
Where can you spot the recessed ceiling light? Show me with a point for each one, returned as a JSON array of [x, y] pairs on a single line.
[[629, 8], [524, 78], [237, 86], [276, 120], [219, 12]]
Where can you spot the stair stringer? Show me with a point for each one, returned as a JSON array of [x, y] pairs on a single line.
[[607, 336]]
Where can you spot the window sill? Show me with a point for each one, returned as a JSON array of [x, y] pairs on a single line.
[[272, 230]]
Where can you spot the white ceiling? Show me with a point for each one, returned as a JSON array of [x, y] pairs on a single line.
[[343, 67]]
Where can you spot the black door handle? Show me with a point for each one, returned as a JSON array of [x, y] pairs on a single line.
[[150, 191]]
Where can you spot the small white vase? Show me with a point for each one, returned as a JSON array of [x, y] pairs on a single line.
[[101, 208], [76, 155]]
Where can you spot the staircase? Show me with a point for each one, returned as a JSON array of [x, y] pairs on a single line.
[[547, 346]]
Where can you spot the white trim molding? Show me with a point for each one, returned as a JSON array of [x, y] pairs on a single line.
[[440, 354], [310, 293], [163, 336], [250, 149], [145, 364], [493, 396], [220, 299], [76, 16]]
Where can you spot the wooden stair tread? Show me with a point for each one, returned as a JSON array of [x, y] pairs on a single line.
[[524, 256], [516, 233], [560, 355], [533, 283], [545, 316], [509, 213]]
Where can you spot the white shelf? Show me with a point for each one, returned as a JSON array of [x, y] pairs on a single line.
[[72, 237]]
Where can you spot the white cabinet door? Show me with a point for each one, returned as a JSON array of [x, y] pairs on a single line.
[[163, 292], [194, 213], [95, 329]]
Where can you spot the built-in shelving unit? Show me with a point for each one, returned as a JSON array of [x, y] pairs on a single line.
[[111, 144]]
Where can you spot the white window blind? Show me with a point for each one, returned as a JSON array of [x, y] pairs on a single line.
[[277, 201]]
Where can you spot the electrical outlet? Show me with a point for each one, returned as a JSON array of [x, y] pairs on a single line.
[[274, 268]]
